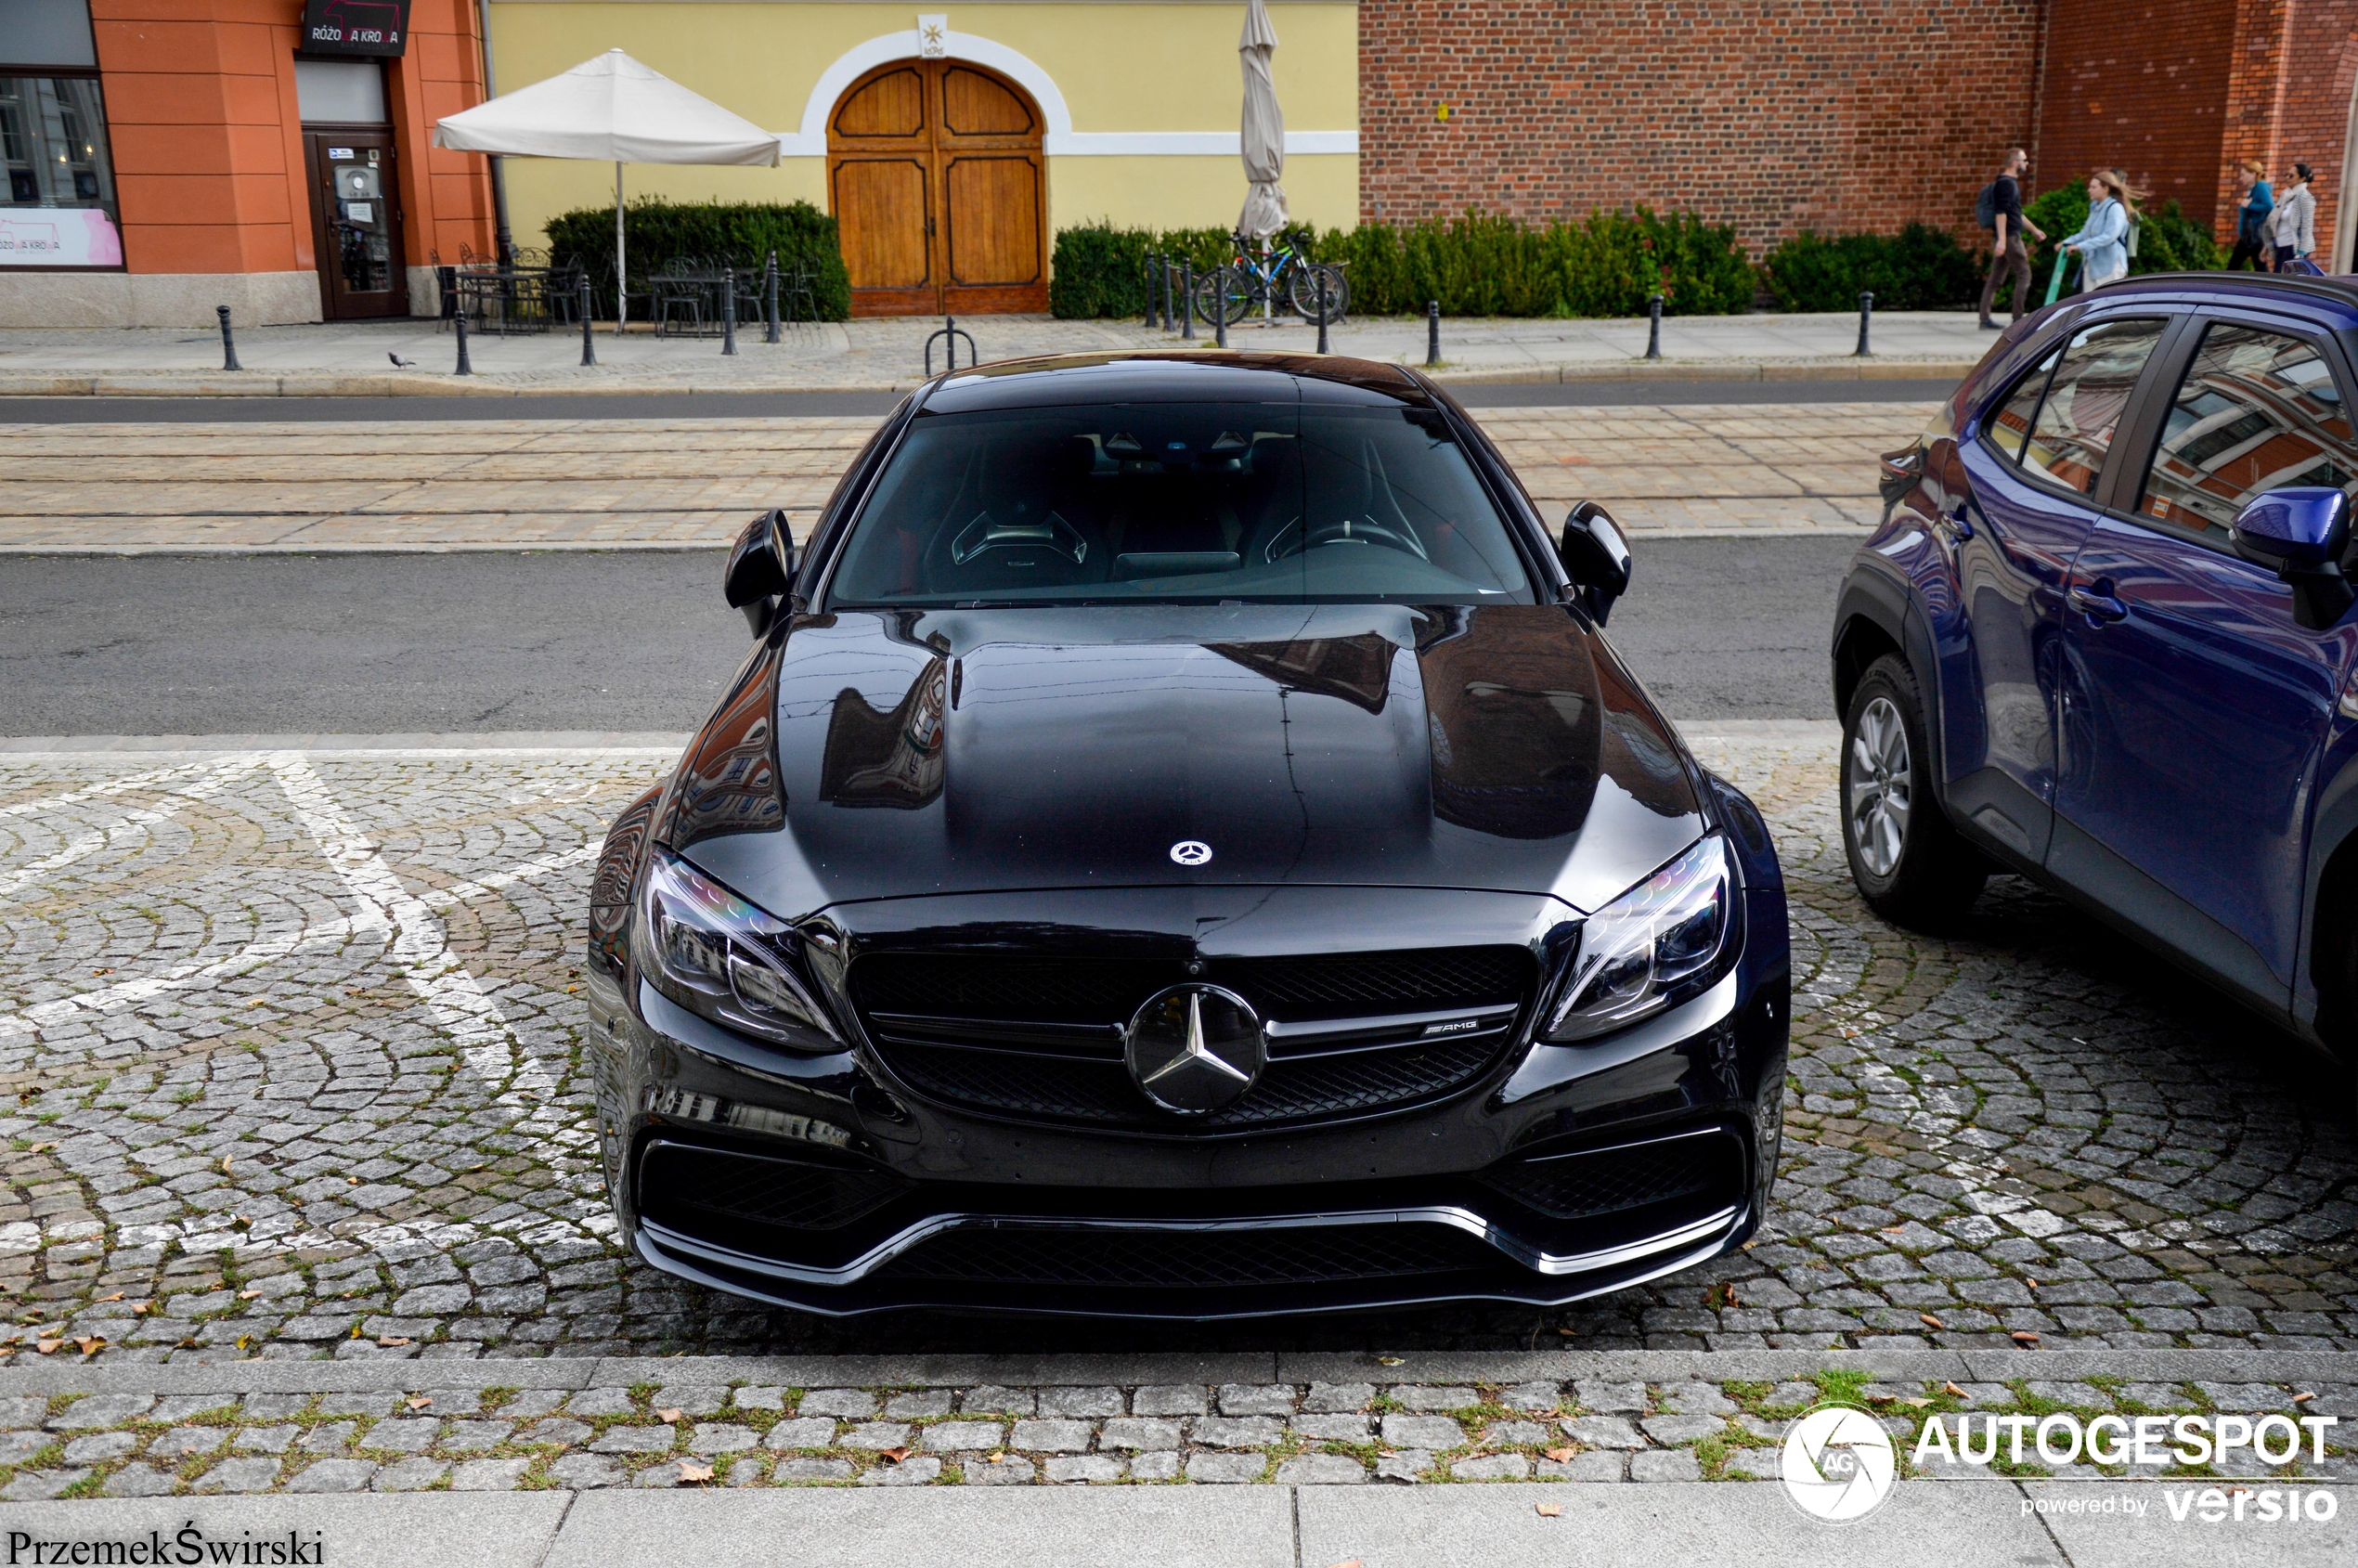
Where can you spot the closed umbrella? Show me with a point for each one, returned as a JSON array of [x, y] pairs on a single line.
[[1265, 129], [611, 109]]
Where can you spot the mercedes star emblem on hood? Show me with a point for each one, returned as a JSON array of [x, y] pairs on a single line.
[[1195, 1048], [1191, 851]]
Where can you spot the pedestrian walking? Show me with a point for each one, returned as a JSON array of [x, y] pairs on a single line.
[[2292, 227], [1999, 210], [2251, 218], [2103, 241]]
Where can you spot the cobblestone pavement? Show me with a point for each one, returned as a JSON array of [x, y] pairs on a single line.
[[889, 352], [699, 1422], [292, 1038], [1681, 469]]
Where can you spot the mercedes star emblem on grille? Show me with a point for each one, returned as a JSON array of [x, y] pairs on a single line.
[[1195, 1048], [1191, 851]]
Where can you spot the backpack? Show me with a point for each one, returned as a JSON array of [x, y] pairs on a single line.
[[1984, 207]]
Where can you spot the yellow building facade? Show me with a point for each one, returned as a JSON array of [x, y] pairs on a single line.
[[1137, 101]]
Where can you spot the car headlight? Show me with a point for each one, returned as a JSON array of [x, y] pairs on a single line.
[[1666, 940], [712, 952]]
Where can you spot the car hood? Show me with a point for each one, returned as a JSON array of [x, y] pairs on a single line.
[[1497, 747]]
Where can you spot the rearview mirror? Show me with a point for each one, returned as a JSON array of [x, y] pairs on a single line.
[[2303, 531], [1596, 557], [761, 569]]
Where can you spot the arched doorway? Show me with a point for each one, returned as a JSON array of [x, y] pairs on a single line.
[[937, 180]]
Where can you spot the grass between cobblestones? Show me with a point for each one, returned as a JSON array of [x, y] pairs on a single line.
[[69, 1445]]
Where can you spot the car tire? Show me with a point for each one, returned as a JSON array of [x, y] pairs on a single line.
[[1905, 856]]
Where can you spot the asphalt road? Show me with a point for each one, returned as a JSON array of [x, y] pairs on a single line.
[[641, 641]]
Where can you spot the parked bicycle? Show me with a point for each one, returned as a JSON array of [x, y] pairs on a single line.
[[1253, 281]]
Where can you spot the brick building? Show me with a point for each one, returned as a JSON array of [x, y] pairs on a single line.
[[1783, 115]]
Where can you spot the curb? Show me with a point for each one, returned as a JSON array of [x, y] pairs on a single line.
[[164, 384], [379, 1374]]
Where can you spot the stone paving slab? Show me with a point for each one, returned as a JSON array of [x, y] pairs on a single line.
[[350, 359], [1666, 470]]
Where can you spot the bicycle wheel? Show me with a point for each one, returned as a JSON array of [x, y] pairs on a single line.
[[1231, 292], [1317, 281]]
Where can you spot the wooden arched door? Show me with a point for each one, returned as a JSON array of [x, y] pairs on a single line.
[[939, 191]]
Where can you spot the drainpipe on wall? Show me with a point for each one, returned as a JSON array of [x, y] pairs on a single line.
[[502, 242]]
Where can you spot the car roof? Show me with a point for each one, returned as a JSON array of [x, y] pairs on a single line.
[[2340, 294], [1168, 375]]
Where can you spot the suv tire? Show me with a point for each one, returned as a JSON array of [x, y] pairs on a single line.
[[1910, 865]]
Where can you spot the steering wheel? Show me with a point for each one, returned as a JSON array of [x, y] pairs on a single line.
[[1295, 541]]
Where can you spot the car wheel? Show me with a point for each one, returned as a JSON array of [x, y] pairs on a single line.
[[1910, 865]]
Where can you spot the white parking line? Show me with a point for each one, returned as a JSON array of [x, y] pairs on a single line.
[[112, 835]]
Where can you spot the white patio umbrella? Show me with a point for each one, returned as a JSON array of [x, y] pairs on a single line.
[[1265, 129], [611, 109]]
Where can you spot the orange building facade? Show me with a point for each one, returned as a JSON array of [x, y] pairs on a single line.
[[166, 157]]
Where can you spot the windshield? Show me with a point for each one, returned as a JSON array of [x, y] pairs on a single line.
[[1164, 503]]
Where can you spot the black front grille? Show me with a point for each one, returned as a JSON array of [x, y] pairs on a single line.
[[1579, 1186], [914, 1005], [675, 1179], [1191, 1260]]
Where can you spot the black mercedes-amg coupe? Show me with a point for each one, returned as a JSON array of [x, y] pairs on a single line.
[[1182, 846]]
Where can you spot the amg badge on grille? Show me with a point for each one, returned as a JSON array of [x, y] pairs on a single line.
[[1195, 1048]]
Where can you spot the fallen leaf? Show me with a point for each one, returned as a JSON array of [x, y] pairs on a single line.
[[242, 1222], [1348, 1563], [47, 1347], [2032, 1283], [997, 1456], [248, 1295], [102, 971], [1387, 1453], [141, 1309], [1387, 1361], [41, 1149], [225, 1164], [2302, 1398], [245, 1342], [1560, 1456], [2024, 1337], [1928, 1320], [91, 1345], [116, 1297], [356, 1331], [1569, 1333], [351, 1181], [389, 1341], [895, 1455], [691, 1472], [1750, 1245], [1953, 1390], [669, 1415], [419, 1401], [1548, 1511], [1917, 1403], [1893, 1230], [186, 1344], [255, 1001]]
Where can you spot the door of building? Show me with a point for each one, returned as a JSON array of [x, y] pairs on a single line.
[[935, 173], [356, 221]]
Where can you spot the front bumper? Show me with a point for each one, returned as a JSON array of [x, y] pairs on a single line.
[[825, 1185]]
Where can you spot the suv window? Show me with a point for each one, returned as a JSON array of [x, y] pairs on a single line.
[[2257, 411], [2085, 399]]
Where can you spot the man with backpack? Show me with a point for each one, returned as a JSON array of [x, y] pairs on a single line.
[[1999, 210]]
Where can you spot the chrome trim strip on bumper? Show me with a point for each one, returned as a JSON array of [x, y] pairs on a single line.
[[1706, 1232]]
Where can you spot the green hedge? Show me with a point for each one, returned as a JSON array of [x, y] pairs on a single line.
[[1919, 268], [741, 232], [1477, 265]]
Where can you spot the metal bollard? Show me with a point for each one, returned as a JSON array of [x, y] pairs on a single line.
[[229, 344], [1866, 316], [589, 343], [1432, 331], [1188, 297], [770, 302], [728, 310], [1167, 316], [1319, 289], [1653, 329], [1152, 273], [1220, 307]]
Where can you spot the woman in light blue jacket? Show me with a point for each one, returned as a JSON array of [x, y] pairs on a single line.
[[2103, 240]]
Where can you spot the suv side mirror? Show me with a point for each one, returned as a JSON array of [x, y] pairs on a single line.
[[761, 569], [1596, 557], [2303, 531]]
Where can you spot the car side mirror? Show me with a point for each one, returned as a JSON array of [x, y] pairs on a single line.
[[761, 569], [2303, 531], [1596, 557]]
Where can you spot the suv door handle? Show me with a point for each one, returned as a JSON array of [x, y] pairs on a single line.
[[2097, 606]]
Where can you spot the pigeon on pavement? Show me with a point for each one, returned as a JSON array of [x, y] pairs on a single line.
[[400, 363]]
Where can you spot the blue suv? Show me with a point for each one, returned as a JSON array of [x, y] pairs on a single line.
[[2103, 639]]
